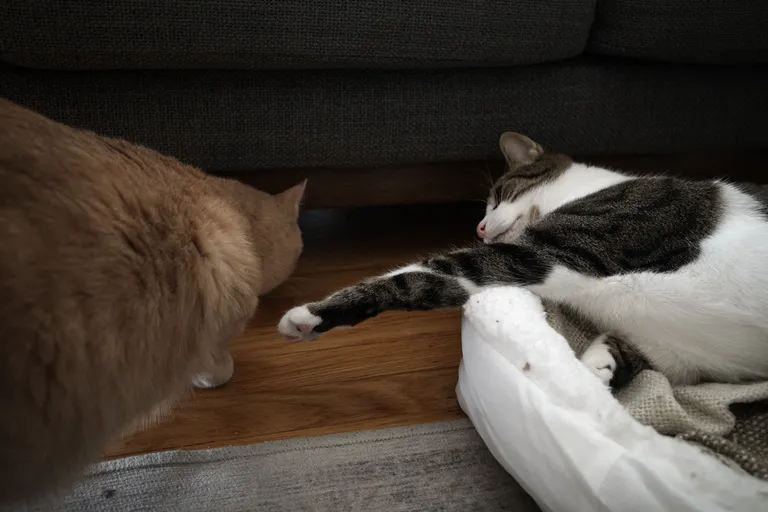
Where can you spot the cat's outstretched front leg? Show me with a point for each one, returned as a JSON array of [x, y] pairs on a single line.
[[410, 289], [443, 281]]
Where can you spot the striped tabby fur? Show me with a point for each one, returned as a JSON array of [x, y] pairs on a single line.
[[676, 269]]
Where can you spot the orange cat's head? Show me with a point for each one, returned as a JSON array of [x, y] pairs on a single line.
[[275, 229], [282, 230]]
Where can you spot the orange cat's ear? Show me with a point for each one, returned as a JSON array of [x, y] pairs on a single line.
[[291, 198]]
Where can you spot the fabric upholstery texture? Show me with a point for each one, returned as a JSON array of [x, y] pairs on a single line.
[[306, 34], [239, 121], [715, 31]]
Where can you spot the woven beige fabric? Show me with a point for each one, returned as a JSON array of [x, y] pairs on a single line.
[[726, 420]]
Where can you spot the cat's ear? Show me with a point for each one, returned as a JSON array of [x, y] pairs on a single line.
[[291, 199], [519, 150]]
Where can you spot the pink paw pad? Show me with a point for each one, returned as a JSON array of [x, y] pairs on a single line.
[[305, 328]]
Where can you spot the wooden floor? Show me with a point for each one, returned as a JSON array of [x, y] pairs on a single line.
[[397, 369]]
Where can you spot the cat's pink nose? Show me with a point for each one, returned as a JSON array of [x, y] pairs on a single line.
[[481, 230]]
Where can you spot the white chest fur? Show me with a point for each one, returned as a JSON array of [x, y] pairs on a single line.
[[708, 319]]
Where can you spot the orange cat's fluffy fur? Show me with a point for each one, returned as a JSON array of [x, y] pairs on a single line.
[[124, 275]]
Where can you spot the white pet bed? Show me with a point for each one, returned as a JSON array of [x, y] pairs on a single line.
[[555, 428]]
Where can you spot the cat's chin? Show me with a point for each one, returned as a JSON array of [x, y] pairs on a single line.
[[508, 237]]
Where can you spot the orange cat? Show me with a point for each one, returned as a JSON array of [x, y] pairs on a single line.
[[124, 275]]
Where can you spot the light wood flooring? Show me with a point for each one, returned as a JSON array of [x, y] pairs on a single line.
[[397, 369]]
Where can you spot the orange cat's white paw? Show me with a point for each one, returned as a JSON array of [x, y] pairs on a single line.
[[219, 373], [298, 324]]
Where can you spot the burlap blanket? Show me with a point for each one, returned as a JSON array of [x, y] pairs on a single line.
[[729, 421]]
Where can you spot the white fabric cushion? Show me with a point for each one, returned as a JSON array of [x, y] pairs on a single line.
[[555, 428]]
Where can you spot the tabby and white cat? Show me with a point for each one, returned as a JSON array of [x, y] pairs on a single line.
[[677, 269]]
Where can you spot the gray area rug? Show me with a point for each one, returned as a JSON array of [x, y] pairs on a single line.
[[438, 466]]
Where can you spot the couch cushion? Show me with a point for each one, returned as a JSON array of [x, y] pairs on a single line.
[[692, 31], [238, 34], [243, 120]]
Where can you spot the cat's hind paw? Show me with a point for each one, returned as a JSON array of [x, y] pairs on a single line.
[[298, 324], [599, 360]]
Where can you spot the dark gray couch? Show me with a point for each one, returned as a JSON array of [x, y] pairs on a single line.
[[235, 85]]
